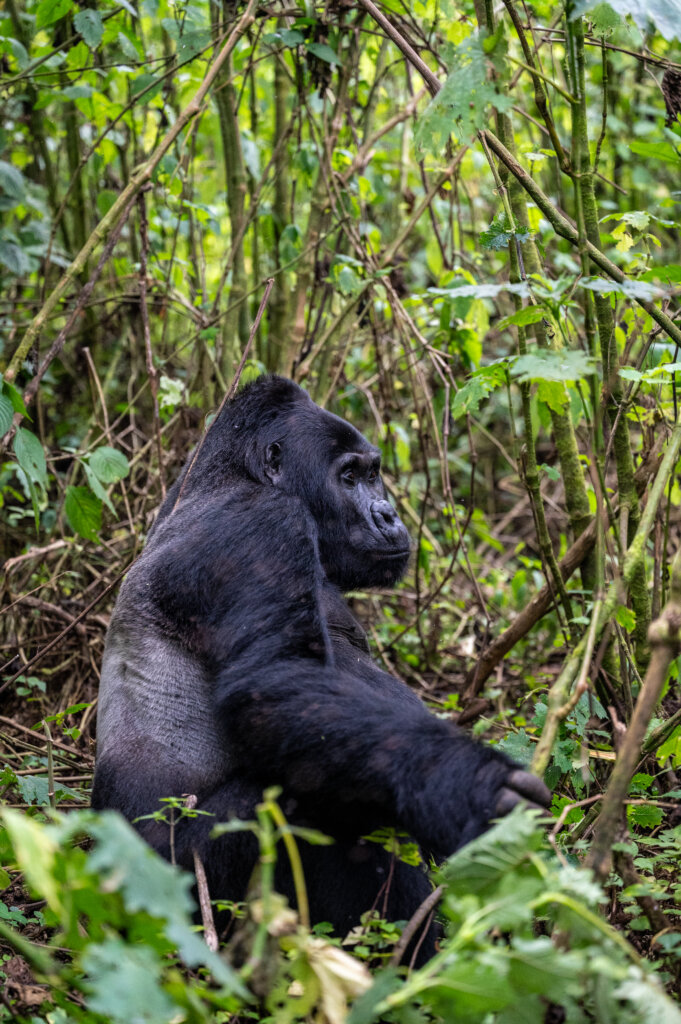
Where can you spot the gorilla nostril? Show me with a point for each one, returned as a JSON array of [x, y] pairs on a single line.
[[384, 515]]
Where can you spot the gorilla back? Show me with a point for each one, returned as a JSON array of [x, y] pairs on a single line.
[[233, 663]]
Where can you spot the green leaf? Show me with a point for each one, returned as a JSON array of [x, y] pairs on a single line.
[[15, 398], [108, 464], [644, 816], [625, 617], [6, 414], [13, 258], [12, 181], [34, 789], [460, 106], [35, 850], [528, 315], [566, 365], [83, 511], [664, 14], [124, 983], [652, 1004], [630, 289], [96, 487], [50, 11], [492, 855], [499, 234], [149, 883], [286, 36], [655, 151], [323, 52], [481, 384], [30, 456]]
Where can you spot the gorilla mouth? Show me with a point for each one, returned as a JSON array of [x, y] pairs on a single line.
[[402, 553]]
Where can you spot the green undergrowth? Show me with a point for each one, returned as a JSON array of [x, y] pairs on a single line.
[[523, 935]]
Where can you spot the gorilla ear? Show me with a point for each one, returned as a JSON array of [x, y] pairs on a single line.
[[273, 462]]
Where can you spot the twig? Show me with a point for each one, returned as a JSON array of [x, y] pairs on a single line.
[[414, 923], [152, 372], [209, 933], [60, 636], [665, 643], [50, 768], [233, 386]]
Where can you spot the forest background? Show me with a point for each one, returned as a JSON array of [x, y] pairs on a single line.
[[457, 225]]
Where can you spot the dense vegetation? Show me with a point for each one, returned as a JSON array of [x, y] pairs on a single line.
[[458, 227]]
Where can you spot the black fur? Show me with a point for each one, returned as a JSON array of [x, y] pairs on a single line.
[[233, 663]]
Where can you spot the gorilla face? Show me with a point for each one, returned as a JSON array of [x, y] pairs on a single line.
[[333, 468], [362, 540]]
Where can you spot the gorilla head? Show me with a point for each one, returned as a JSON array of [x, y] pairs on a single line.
[[274, 434]]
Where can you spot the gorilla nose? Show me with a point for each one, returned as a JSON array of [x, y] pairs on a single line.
[[386, 519]]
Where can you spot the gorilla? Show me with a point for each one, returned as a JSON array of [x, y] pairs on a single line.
[[233, 663]]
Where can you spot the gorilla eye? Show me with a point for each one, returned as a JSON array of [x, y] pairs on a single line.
[[373, 476], [349, 477]]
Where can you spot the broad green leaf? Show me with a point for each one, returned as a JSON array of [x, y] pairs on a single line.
[[656, 151], [50, 11], [460, 106], [30, 456], [15, 397], [96, 487], [566, 365], [323, 52], [664, 14], [626, 617], [630, 289], [484, 861], [528, 315], [652, 1005], [83, 511], [553, 394], [90, 25], [124, 984], [499, 234], [35, 850], [12, 181], [481, 384], [149, 883], [34, 789], [669, 274], [14, 258], [6, 414], [286, 36], [108, 464]]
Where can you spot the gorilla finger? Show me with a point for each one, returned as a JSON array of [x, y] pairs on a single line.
[[508, 799], [530, 787]]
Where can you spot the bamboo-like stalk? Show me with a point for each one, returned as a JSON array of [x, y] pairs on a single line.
[[139, 178]]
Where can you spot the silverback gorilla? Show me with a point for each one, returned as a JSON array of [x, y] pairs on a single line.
[[233, 663]]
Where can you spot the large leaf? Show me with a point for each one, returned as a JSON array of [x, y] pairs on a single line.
[[108, 464], [460, 106], [30, 456], [90, 25], [484, 861], [124, 984], [566, 365], [664, 14], [83, 511]]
